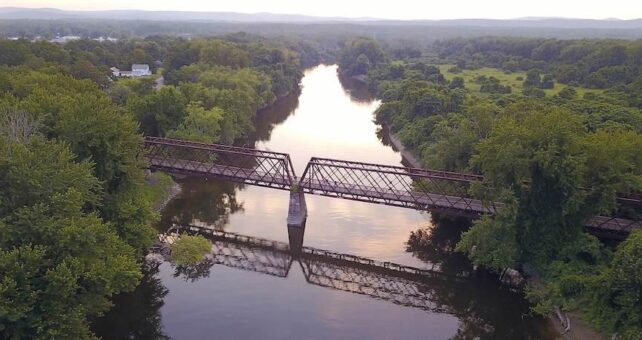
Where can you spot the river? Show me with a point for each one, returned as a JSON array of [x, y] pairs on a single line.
[[261, 293]]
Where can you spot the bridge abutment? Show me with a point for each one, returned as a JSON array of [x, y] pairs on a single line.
[[297, 215]]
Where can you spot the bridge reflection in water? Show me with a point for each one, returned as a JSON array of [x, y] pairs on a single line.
[[402, 285]]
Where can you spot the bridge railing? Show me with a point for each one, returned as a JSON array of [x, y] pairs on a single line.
[[244, 165], [423, 189], [393, 185]]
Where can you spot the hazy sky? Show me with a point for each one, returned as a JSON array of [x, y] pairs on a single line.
[[388, 9]]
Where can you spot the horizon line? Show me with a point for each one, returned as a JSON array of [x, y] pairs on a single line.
[[363, 18]]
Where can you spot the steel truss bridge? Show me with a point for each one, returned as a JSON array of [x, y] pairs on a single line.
[[401, 285], [421, 189]]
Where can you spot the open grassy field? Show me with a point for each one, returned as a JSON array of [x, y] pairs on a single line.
[[506, 78]]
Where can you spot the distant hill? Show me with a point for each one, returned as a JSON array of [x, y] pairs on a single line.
[[57, 14]]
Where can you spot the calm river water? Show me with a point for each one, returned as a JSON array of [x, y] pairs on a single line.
[[262, 293]]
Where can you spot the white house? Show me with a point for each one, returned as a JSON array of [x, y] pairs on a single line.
[[138, 70], [115, 71]]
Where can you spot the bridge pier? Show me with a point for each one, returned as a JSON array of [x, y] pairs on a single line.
[[297, 215]]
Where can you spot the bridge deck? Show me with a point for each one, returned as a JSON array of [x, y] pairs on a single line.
[[416, 200]]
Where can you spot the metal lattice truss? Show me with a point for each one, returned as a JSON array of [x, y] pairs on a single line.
[[441, 191], [608, 225], [402, 285], [432, 190], [393, 185], [244, 165]]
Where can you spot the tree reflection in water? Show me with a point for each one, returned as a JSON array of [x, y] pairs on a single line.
[[485, 309], [202, 200], [275, 114], [194, 272], [136, 315], [436, 244], [356, 89]]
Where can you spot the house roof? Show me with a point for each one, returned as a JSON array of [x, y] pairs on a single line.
[[142, 67]]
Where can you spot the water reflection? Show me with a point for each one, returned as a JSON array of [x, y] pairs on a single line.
[[204, 201], [436, 244], [329, 122], [358, 90], [274, 115], [478, 303], [136, 315]]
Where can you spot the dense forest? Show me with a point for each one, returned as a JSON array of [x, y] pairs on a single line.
[[75, 203], [553, 125], [392, 33], [554, 161]]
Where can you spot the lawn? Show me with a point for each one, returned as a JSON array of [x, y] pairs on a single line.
[[506, 78]]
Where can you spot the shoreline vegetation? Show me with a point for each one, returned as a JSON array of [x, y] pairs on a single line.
[[561, 115], [164, 188], [83, 221], [548, 138], [568, 325]]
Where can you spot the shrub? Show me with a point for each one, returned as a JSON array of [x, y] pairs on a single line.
[[190, 249]]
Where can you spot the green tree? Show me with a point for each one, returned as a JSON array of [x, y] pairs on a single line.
[[544, 150], [159, 112], [457, 83], [190, 250], [618, 305], [533, 79], [13, 53], [568, 93], [359, 55], [217, 52], [200, 124], [59, 106], [60, 265]]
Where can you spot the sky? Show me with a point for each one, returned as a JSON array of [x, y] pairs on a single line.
[[389, 9]]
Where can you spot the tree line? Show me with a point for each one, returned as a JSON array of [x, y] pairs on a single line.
[[553, 161], [610, 64], [75, 203]]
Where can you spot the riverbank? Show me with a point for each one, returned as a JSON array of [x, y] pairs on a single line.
[[408, 155], [161, 189], [579, 330]]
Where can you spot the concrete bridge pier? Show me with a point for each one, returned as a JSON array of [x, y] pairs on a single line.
[[297, 215]]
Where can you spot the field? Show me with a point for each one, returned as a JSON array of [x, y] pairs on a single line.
[[505, 78]]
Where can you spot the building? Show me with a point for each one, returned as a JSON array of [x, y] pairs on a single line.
[[65, 39], [115, 71], [138, 70]]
